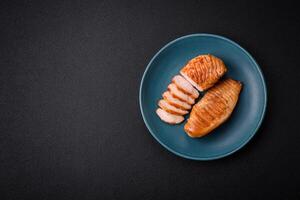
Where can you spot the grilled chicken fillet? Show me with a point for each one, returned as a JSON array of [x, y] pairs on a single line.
[[214, 108], [203, 71]]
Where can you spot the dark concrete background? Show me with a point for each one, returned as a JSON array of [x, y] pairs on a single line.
[[70, 124]]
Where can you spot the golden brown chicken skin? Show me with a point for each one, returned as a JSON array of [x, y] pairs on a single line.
[[203, 71], [214, 108]]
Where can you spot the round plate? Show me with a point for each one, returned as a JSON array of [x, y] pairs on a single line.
[[246, 117]]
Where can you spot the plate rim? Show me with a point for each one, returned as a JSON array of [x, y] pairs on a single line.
[[191, 157]]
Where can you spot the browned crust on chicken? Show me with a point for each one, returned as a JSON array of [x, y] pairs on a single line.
[[203, 71], [214, 108]]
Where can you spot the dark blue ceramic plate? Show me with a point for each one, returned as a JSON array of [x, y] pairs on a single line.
[[246, 117]]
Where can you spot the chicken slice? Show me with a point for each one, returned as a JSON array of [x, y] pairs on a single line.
[[168, 117], [176, 102], [185, 86], [180, 95], [171, 109]]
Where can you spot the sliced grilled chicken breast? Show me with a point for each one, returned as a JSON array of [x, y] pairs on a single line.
[[176, 102], [203, 71], [171, 109], [185, 86], [213, 109], [180, 95], [168, 117]]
